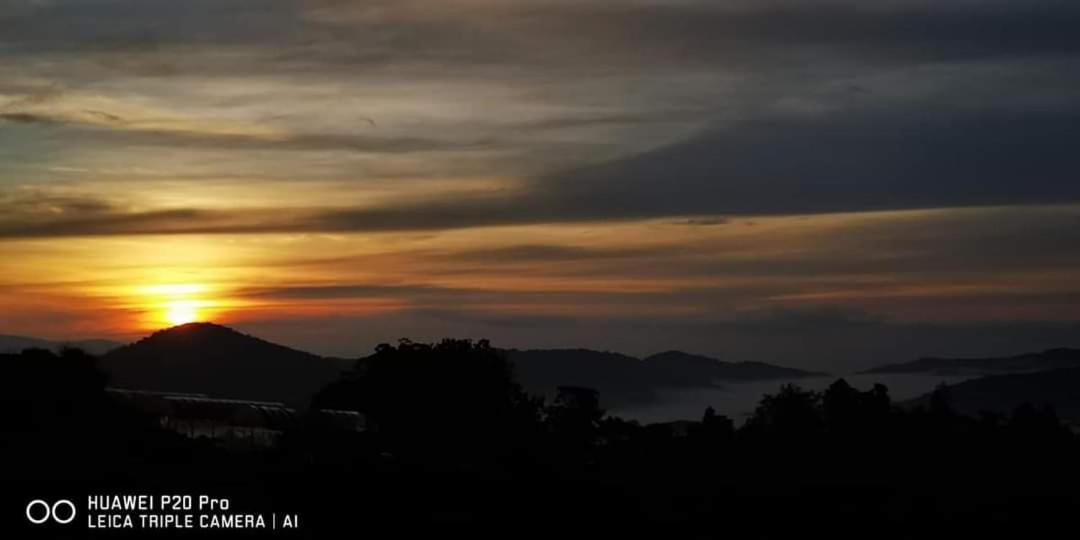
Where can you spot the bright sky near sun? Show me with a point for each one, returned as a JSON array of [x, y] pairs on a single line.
[[631, 175]]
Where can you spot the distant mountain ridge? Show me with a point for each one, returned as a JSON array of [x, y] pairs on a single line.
[[1001, 394], [1047, 360], [690, 369], [623, 379], [216, 360], [616, 376], [16, 344], [219, 361]]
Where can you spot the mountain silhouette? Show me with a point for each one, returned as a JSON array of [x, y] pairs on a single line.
[[216, 360], [1002, 394], [625, 380], [619, 378], [1030, 362], [15, 344], [685, 369], [219, 361]]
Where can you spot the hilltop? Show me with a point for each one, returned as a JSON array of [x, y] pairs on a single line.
[[219, 361]]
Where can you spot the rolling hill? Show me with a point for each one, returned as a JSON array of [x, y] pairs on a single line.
[[1003, 393], [1031, 362], [15, 344], [219, 361], [618, 377], [685, 369], [623, 380]]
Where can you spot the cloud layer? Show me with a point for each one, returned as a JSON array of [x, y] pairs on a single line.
[[547, 165]]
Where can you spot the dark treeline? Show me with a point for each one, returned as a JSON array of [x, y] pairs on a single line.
[[455, 444]]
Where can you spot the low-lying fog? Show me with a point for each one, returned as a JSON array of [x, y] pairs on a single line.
[[737, 400]]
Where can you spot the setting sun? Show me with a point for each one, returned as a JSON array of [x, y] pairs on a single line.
[[176, 303], [181, 312]]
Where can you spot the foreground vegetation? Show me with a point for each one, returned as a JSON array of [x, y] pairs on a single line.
[[455, 444]]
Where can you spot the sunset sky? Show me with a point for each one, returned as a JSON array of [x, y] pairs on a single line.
[[817, 183]]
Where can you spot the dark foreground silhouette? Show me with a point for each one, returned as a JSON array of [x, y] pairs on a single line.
[[454, 445]]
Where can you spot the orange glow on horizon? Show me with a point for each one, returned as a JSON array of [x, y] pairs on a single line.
[[127, 286]]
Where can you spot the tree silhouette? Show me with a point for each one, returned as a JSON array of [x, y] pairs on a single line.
[[574, 418], [848, 412], [451, 397], [714, 430], [792, 412]]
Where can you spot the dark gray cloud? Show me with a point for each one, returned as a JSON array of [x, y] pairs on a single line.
[[539, 253], [110, 128], [550, 48], [850, 151], [26, 118], [123, 25], [850, 160], [18, 205], [306, 141], [100, 224], [776, 33], [607, 120], [467, 33], [827, 165], [447, 296], [943, 244], [910, 157]]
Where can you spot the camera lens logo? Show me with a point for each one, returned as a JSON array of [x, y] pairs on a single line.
[[61, 511]]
